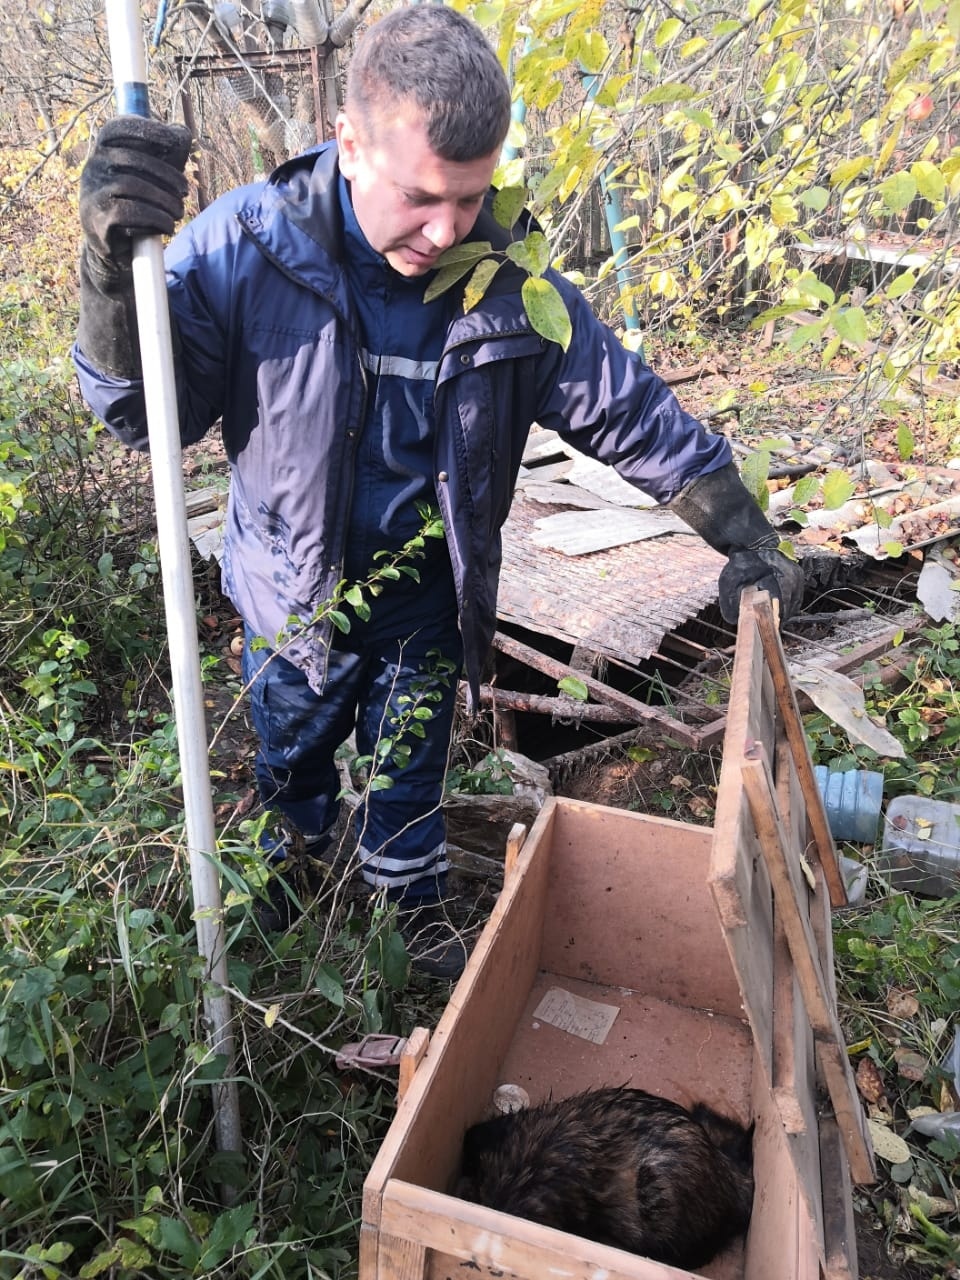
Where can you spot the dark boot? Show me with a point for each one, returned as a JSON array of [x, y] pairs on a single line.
[[297, 874], [433, 942]]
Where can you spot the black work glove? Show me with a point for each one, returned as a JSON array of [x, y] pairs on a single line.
[[721, 509], [132, 185]]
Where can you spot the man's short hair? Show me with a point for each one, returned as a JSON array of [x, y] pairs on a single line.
[[435, 58]]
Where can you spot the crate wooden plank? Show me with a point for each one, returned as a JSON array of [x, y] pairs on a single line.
[[369, 1248], [795, 1086], [792, 1071], [779, 1222], [840, 1230], [497, 1244], [411, 1056], [820, 1011], [401, 1259], [793, 727], [738, 877], [794, 1067]]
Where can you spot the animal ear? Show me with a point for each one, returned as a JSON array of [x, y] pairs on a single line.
[[727, 1135]]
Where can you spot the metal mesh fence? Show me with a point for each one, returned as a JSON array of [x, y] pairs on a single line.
[[250, 113]]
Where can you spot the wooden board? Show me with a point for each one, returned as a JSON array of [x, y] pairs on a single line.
[[787, 881], [821, 1012], [738, 877], [464, 1239], [685, 1054], [793, 730], [625, 913], [448, 1091]]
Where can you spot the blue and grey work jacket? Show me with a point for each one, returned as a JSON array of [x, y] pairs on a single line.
[[267, 342]]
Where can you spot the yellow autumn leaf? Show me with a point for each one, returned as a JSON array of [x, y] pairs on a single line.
[[888, 1145]]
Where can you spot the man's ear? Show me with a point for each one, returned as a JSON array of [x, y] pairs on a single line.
[[347, 145]]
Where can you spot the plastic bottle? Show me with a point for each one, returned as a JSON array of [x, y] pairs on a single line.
[[852, 800], [920, 851]]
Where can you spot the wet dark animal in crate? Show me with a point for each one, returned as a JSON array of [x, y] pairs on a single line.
[[621, 1167]]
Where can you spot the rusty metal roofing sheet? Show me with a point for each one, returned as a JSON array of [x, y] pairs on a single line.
[[620, 602]]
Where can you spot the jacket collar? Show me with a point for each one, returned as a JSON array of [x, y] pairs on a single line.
[[295, 217]]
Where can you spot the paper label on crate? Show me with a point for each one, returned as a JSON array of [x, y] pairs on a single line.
[[580, 1017]]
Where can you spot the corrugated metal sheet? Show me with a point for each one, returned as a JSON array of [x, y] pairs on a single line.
[[619, 602]]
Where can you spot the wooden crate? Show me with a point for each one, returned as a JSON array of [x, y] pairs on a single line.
[[693, 935]]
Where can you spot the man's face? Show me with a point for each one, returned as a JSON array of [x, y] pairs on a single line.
[[410, 203]]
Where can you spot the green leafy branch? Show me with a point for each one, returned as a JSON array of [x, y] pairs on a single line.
[[390, 566], [479, 260], [408, 719]]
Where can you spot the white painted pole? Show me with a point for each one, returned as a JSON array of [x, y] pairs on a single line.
[[127, 57]]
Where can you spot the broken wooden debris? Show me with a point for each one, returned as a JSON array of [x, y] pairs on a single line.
[[885, 644], [656, 723], [634, 709], [559, 708]]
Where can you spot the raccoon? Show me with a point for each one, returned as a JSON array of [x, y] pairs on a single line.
[[621, 1167]]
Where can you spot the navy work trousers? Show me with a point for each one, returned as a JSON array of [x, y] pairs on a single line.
[[375, 686]]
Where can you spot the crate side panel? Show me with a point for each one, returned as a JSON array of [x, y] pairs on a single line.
[[629, 905], [453, 1084], [468, 1239]]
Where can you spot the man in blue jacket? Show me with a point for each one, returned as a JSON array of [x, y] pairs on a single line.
[[350, 407]]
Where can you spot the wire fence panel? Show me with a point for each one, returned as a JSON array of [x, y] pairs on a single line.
[[250, 112]]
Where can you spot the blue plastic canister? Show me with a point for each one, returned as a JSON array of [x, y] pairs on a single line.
[[852, 799]]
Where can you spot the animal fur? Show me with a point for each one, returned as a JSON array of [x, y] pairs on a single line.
[[621, 1167]]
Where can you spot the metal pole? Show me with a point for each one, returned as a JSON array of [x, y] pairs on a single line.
[[128, 61], [613, 211]]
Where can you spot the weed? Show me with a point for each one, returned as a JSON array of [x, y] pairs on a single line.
[[490, 776]]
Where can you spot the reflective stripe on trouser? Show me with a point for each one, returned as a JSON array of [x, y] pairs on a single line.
[[400, 827]]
